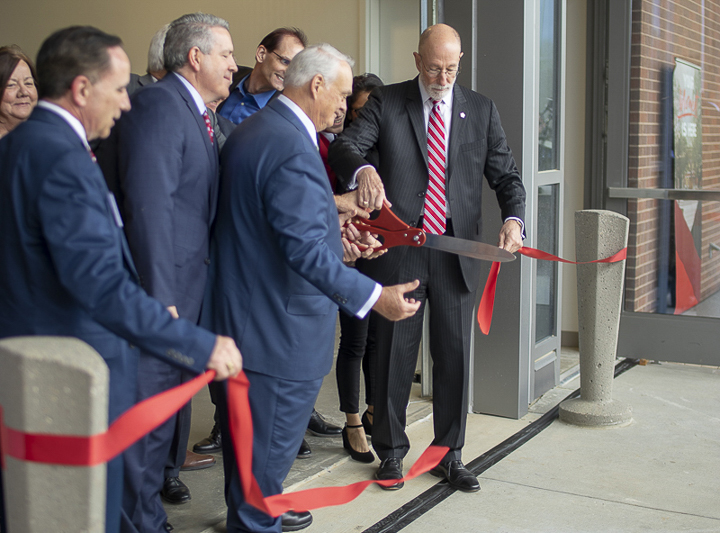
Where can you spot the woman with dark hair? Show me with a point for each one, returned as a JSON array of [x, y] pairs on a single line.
[[356, 335], [17, 87], [361, 88]]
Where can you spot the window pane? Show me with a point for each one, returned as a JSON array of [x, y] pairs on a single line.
[[548, 132], [547, 271]]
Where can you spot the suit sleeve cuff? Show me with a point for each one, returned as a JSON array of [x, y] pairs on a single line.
[[374, 297]]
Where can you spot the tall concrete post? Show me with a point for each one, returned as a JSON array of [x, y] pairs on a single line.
[[598, 234], [55, 385]]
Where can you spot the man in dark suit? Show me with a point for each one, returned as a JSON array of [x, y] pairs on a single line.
[[65, 268], [433, 181], [276, 275], [168, 173], [251, 90]]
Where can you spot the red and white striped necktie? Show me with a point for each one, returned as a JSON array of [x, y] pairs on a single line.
[[209, 127], [434, 219]]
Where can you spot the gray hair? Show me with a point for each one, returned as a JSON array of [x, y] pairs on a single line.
[[186, 32], [155, 52], [320, 59]]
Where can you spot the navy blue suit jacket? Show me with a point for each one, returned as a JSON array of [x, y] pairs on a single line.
[[168, 173], [64, 264], [276, 276]]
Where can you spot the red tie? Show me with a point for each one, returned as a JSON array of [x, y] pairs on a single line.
[[209, 127], [324, 147], [434, 220]]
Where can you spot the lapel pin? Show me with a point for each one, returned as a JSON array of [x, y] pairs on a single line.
[[462, 114]]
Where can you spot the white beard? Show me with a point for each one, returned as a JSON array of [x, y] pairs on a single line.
[[438, 92]]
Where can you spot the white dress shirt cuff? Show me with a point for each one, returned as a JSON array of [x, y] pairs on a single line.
[[374, 297], [353, 182], [522, 225]]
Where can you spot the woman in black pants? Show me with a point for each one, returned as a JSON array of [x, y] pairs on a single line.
[[357, 345]]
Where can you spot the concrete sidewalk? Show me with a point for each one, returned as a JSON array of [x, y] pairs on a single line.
[[659, 473]]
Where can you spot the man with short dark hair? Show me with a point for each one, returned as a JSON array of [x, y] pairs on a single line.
[[253, 88], [168, 173], [65, 267]]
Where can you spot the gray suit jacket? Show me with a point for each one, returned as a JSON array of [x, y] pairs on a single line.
[[392, 122], [136, 82]]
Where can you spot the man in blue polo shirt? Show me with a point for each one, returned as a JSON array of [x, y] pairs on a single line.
[[253, 88]]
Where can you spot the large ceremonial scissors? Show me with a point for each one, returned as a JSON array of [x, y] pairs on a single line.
[[394, 232]]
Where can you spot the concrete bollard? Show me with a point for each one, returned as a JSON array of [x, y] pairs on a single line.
[[55, 385], [598, 234]]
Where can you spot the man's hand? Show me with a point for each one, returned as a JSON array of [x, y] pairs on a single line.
[[511, 236], [173, 311], [371, 192], [392, 303], [225, 358], [351, 252], [347, 206]]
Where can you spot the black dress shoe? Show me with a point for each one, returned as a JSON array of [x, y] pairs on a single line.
[[319, 427], [457, 475], [175, 491], [391, 468], [363, 457], [168, 527], [210, 444], [292, 521], [304, 452]]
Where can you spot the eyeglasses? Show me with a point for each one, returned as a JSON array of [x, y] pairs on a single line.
[[284, 60], [451, 73]]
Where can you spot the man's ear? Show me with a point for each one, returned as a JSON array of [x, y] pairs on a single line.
[[418, 60], [80, 90], [194, 58], [317, 85], [260, 54]]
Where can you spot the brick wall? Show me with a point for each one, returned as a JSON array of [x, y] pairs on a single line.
[[662, 31]]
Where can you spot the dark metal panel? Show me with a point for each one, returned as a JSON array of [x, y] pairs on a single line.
[[681, 339]]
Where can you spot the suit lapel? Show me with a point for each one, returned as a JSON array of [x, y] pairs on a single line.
[[199, 121], [414, 107], [288, 114], [457, 128]]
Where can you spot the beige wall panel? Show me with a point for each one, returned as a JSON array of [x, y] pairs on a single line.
[[337, 22], [574, 152]]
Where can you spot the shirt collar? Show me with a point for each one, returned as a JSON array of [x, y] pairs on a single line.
[[309, 126], [72, 121], [261, 98], [194, 93], [447, 99]]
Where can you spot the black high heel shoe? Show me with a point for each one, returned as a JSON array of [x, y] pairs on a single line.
[[366, 423], [363, 457]]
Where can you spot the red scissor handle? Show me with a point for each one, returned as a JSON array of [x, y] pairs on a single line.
[[393, 230]]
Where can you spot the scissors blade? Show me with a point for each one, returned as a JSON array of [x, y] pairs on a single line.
[[478, 250]]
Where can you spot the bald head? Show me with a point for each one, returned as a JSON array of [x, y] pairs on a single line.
[[438, 59], [439, 35]]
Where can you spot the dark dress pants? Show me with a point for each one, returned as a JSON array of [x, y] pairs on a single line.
[[355, 352], [280, 413], [145, 460], [451, 309]]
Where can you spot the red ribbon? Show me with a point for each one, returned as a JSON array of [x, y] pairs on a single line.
[[149, 414], [487, 302]]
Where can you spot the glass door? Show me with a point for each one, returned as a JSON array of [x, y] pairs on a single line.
[[547, 188]]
